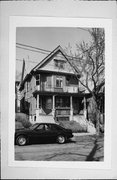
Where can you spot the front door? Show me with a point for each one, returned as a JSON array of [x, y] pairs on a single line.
[[47, 104]]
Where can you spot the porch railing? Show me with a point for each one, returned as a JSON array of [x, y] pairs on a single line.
[[50, 88], [62, 112]]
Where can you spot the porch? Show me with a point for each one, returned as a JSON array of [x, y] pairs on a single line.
[[51, 108]]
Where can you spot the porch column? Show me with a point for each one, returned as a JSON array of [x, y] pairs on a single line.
[[53, 106], [71, 108], [37, 108], [85, 108], [37, 101]]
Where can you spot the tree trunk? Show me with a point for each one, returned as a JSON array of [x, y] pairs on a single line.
[[97, 115], [98, 122]]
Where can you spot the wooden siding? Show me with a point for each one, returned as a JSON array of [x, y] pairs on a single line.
[[50, 65], [48, 83], [32, 109]]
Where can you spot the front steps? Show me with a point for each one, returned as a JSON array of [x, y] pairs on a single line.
[[84, 122], [45, 119]]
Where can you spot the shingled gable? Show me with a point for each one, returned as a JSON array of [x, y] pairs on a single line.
[[47, 58], [52, 54]]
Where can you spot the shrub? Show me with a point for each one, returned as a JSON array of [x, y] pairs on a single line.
[[91, 117], [74, 126], [18, 125], [22, 120]]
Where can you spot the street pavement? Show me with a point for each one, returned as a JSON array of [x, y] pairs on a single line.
[[79, 148]]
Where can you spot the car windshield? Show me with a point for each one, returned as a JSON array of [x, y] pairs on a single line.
[[33, 126]]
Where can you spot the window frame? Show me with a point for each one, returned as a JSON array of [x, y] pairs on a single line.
[[59, 64], [60, 82], [37, 79], [43, 127]]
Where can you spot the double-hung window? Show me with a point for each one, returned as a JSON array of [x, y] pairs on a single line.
[[59, 82], [37, 79]]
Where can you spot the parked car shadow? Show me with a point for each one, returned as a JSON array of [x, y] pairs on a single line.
[[35, 142]]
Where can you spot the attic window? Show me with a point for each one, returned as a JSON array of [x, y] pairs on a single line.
[[59, 64]]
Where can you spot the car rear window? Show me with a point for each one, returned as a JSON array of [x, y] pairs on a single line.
[[41, 127]]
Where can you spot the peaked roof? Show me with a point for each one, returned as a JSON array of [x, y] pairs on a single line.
[[47, 58], [58, 49], [41, 63]]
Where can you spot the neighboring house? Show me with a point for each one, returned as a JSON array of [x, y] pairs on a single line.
[[51, 90], [17, 96]]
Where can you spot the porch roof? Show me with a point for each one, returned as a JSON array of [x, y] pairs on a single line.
[[62, 94], [54, 72]]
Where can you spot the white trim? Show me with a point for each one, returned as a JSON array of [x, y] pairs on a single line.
[[71, 108]]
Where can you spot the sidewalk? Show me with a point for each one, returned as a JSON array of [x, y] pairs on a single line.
[[83, 134]]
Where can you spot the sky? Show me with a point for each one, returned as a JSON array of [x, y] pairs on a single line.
[[47, 38]]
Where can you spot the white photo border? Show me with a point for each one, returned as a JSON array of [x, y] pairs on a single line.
[[20, 21]]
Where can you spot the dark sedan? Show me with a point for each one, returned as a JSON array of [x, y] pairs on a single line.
[[42, 132]]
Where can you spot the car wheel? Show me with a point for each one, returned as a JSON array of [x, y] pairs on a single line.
[[61, 139], [21, 140]]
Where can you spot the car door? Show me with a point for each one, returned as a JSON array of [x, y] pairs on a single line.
[[38, 134], [50, 132]]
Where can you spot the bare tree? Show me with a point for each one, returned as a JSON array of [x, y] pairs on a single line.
[[90, 61]]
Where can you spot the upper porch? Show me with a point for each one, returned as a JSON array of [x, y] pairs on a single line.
[[64, 89], [52, 82]]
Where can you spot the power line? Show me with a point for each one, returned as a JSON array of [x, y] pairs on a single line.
[[27, 61], [32, 50], [35, 62], [39, 50], [84, 29], [46, 52], [33, 47]]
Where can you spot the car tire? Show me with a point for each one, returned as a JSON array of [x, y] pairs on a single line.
[[21, 140], [61, 139]]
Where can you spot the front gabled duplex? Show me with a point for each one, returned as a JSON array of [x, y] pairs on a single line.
[[51, 90]]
